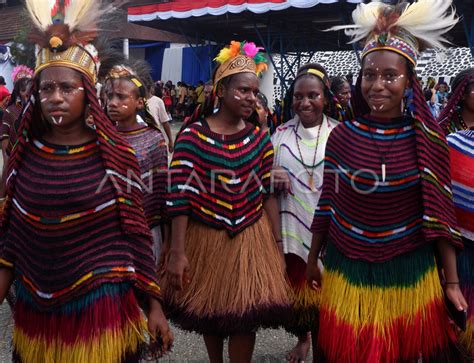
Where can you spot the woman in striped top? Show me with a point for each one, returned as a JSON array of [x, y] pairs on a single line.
[[299, 153], [74, 236], [226, 276], [126, 96], [461, 146], [459, 112], [386, 208], [457, 120]]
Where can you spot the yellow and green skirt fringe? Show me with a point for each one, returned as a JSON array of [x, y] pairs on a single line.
[[104, 326], [466, 276], [305, 301], [384, 312]]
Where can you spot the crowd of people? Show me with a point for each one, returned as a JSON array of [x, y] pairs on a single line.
[[345, 217]]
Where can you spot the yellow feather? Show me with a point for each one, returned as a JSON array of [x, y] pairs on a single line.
[[224, 55]]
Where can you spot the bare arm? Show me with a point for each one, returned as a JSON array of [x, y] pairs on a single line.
[[178, 265], [313, 273], [167, 128], [271, 207], [448, 262], [6, 279]]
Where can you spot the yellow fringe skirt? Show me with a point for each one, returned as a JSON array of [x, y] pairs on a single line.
[[237, 284]]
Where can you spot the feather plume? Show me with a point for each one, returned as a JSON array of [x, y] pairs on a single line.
[[365, 18], [85, 15], [40, 13], [428, 20]]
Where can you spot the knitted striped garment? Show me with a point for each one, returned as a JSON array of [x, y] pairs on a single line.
[[462, 172], [152, 154], [64, 237], [369, 219], [297, 208], [220, 180]]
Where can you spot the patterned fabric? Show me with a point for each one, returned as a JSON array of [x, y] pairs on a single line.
[[116, 335], [219, 179], [297, 208], [117, 157], [152, 154], [450, 118], [11, 124], [384, 312], [462, 170], [411, 208], [64, 236]]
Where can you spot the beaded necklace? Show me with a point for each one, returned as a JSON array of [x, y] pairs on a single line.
[[312, 165]]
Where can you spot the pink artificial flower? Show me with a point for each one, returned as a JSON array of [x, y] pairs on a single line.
[[251, 49]]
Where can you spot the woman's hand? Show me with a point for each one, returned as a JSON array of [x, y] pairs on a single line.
[[158, 326], [178, 269], [313, 274], [454, 294], [281, 180]]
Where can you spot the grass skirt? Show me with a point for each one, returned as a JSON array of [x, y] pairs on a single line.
[[466, 276], [104, 326], [237, 285], [387, 312], [305, 301]]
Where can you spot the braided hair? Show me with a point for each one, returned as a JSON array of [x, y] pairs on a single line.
[[450, 118], [116, 153], [330, 108]]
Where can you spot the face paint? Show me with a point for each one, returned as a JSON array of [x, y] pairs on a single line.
[[125, 106], [237, 97], [57, 121], [43, 100]]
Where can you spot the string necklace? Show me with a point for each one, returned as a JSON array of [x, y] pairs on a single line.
[[312, 167], [383, 162], [462, 123]]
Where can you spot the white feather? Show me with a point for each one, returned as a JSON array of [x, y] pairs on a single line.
[[40, 12], [365, 17], [428, 20], [85, 15]]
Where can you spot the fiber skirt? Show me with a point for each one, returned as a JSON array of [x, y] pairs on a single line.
[[104, 326], [237, 284], [387, 312], [305, 301], [466, 276]]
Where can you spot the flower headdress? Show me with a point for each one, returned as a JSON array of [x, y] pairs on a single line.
[[240, 57], [21, 72], [64, 31], [405, 28]]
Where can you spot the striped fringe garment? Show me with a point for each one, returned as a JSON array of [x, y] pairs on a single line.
[[104, 326], [384, 312]]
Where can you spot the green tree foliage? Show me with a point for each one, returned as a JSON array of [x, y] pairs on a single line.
[[23, 50]]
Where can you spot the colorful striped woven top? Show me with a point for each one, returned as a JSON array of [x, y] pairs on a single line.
[[220, 179], [152, 154], [64, 237], [363, 216], [461, 146]]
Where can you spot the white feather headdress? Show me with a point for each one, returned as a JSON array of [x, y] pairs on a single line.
[[425, 21]]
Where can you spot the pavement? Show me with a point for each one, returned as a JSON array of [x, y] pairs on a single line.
[[271, 346]]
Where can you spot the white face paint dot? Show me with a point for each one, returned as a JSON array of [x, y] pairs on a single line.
[[43, 100], [124, 106], [237, 97], [80, 88]]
